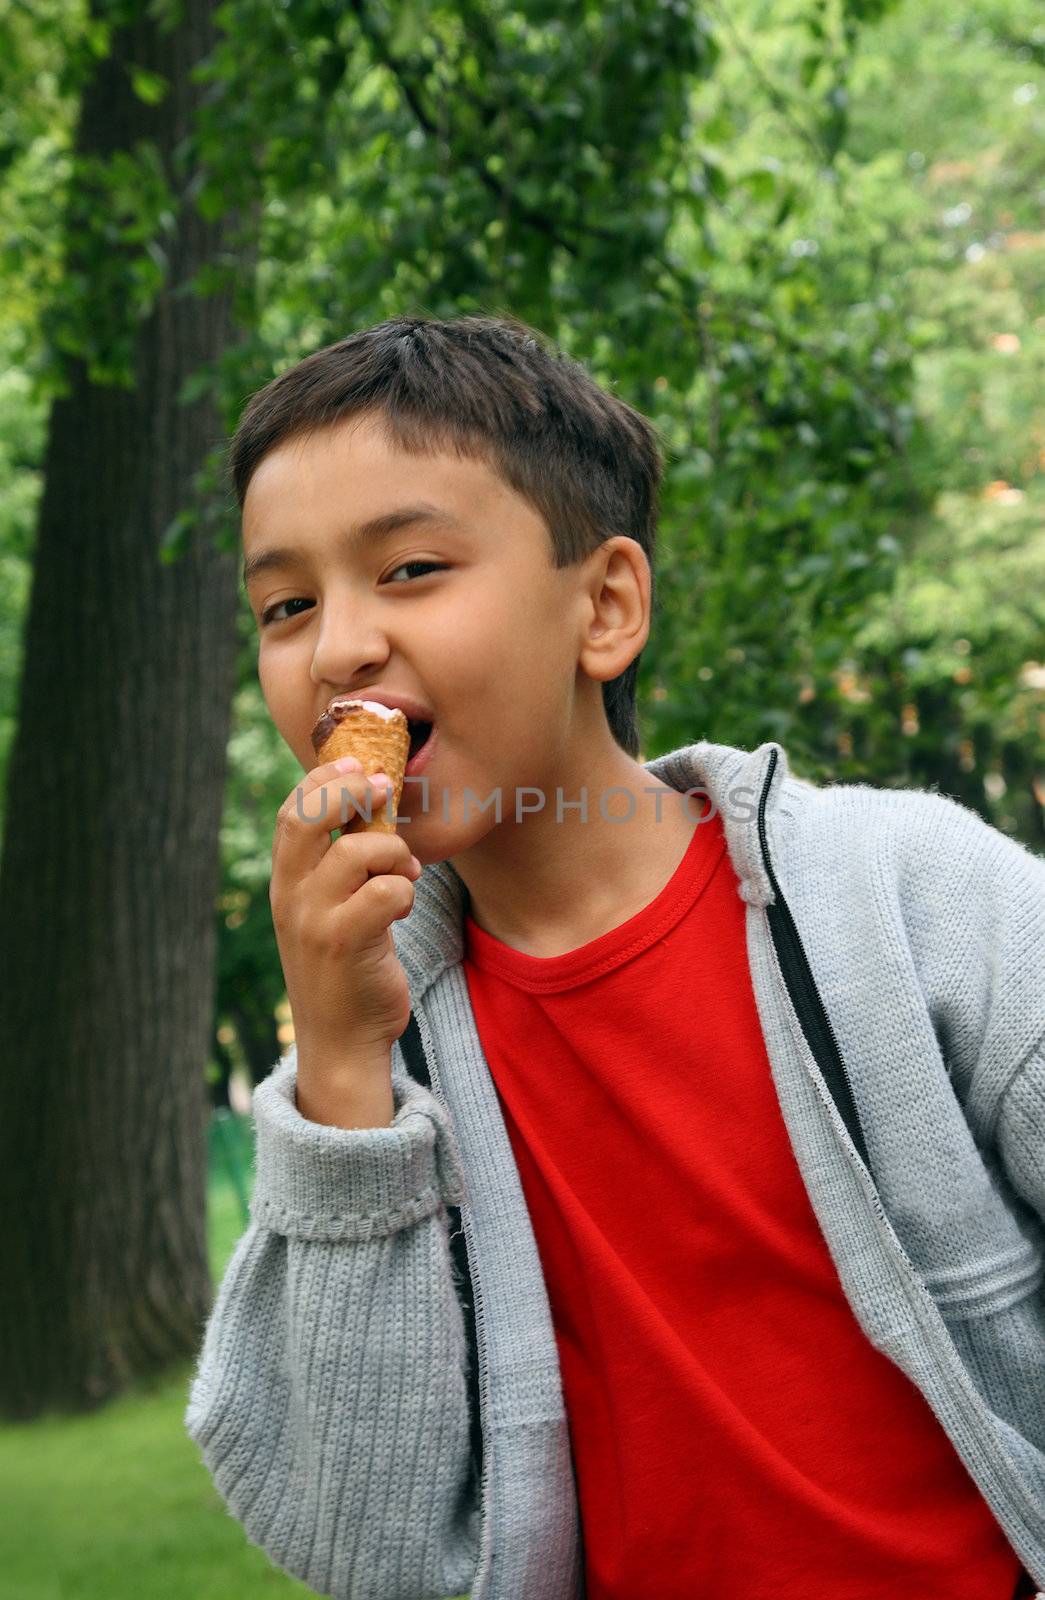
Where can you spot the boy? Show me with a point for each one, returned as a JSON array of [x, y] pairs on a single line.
[[652, 1203]]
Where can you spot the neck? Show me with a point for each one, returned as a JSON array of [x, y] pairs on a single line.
[[547, 884]]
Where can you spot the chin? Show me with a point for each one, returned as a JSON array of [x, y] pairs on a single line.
[[432, 840]]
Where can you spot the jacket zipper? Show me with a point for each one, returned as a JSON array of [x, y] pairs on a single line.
[[418, 1057], [813, 1019], [809, 1008], [816, 1027]]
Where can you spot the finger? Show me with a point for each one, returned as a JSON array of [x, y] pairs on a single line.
[[367, 914], [299, 800], [313, 809], [354, 858]]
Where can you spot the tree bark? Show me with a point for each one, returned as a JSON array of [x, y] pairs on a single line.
[[110, 864]]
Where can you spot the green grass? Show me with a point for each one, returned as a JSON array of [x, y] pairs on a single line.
[[118, 1506]]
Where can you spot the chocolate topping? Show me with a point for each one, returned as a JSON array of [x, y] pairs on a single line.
[[336, 713]]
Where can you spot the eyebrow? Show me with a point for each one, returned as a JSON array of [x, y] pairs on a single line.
[[365, 533]]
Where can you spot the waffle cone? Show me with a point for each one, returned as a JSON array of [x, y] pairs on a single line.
[[380, 744]]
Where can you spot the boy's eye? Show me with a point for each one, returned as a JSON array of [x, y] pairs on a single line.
[[269, 614], [428, 566]]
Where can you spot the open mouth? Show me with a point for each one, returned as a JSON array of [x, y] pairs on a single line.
[[419, 736]]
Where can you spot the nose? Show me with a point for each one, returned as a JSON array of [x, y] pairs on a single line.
[[350, 643]]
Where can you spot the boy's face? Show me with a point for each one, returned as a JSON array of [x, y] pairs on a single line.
[[488, 643]]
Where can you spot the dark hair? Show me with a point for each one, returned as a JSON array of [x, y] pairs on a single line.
[[494, 389]]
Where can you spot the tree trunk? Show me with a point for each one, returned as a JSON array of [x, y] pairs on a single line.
[[110, 865]]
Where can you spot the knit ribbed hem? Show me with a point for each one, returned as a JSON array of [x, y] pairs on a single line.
[[318, 1182]]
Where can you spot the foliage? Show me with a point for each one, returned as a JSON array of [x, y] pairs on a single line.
[[878, 689], [803, 241], [21, 443], [952, 112]]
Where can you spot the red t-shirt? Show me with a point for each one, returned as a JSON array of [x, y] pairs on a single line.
[[735, 1434]]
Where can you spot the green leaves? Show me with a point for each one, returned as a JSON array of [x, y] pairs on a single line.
[[709, 205], [761, 181], [409, 29], [148, 86], [119, 211]]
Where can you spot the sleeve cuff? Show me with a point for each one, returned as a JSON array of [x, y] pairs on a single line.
[[318, 1182]]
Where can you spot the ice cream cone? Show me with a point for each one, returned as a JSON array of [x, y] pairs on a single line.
[[379, 738]]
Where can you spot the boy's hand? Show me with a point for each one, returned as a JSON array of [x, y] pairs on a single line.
[[333, 903]]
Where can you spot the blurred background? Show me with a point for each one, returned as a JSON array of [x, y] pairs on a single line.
[[806, 237]]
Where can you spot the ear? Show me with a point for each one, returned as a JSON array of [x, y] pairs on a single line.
[[616, 617]]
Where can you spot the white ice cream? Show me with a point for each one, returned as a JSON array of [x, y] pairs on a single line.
[[388, 712]]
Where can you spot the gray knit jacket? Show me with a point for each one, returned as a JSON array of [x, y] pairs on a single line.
[[897, 952]]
